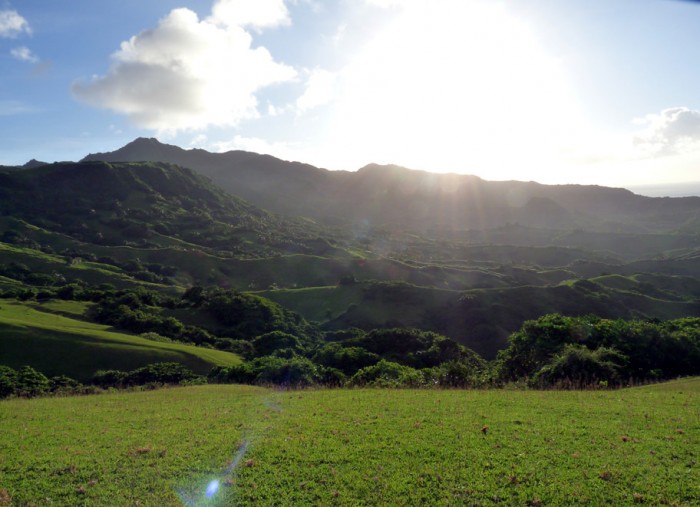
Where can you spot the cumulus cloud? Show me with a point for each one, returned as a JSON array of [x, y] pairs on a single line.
[[672, 131], [187, 73], [12, 24], [256, 14], [24, 54]]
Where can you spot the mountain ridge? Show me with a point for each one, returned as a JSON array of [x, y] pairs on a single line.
[[395, 196]]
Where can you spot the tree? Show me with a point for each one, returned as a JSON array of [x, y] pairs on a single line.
[[267, 343], [577, 366], [31, 383], [387, 374], [164, 373], [109, 378], [346, 359]]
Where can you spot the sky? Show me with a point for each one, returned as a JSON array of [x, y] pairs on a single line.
[[556, 91]]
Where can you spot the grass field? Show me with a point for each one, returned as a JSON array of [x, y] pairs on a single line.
[[354, 447], [56, 344]]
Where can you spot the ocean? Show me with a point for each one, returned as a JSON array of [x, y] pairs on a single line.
[[667, 189]]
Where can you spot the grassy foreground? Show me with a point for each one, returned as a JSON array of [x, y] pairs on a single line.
[[354, 447]]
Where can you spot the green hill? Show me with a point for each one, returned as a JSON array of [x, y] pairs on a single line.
[[140, 204], [56, 344]]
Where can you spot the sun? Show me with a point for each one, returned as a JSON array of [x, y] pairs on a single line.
[[455, 86]]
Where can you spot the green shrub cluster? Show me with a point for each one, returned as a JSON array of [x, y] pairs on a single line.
[[556, 350], [155, 373], [382, 358], [29, 383]]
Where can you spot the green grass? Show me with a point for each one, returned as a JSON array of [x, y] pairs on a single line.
[[355, 447], [56, 344], [68, 308], [365, 304], [90, 272], [317, 303]]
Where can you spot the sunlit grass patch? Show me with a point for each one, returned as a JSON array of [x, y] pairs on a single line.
[[55, 344], [236, 445]]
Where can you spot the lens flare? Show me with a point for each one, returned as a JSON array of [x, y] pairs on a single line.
[[212, 488]]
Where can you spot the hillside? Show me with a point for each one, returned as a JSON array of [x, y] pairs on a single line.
[[52, 338], [134, 218], [388, 247], [131, 203], [418, 200]]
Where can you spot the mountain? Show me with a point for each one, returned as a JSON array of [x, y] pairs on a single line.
[[397, 197], [468, 258], [33, 163], [147, 205]]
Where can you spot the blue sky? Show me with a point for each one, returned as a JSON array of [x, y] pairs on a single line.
[[556, 91]]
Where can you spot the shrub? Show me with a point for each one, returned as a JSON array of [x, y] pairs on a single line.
[[109, 378], [346, 359], [387, 374], [31, 383], [296, 372], [267, 343], [163, 373], [8, 381], [64, 384], [577, 366]]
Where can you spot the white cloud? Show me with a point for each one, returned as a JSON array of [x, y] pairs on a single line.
[[672, 131], [188, 74], [320, 90], [12, 24], [256, 14], [24, 54], [199, 141], [386, 4]]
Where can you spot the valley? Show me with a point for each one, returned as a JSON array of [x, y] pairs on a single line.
[[385, 247]]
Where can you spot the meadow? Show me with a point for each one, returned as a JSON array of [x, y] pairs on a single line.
[[51, 337], [240, 445]]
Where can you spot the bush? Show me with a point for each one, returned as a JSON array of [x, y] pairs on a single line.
[[8, 381], [109, 378], [31, 383], [267, 343], [577, 367], [161, 373], [346, 359], [64, 384], [294, 372], [387, 374], [456, 374], [297, 371]]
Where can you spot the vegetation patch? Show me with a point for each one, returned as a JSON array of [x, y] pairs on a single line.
[[238, 445], [58, 345]]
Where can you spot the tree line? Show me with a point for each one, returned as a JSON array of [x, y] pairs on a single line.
[[280, 347]]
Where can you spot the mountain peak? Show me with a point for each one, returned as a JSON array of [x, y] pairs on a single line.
[[33, 163]]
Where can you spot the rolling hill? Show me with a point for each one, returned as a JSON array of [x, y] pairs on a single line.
[[381, 247], [57, 342]]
